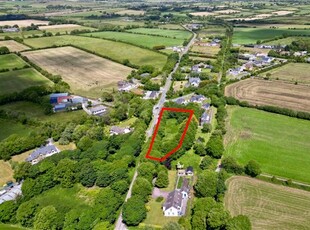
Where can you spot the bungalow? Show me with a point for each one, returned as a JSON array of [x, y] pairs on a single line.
[[181, 172], [235, 71], [193, 81], [205, 118], [116, 130], [197, 98], [98, 110], [151, 95], [181, 101], [41, 153], [267, 59]]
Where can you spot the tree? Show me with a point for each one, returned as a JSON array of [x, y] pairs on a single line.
[[87, 175], [26, 213], [206, 162], [217, 218], [206, 184], [7, 211], [134, 211], [253, 168], [84, 143], [147, 170], [65, 173], [142, 188], [215, 147], [108, 97], [172, 226], [239, 222], [120, 186], [199, 220], [230, 165], [4, 50], [21, 171], [206, 128], [199, 149], [46, 219], [162, 180]]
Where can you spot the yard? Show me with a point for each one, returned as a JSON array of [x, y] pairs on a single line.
[[120, 51], [148, 41], [178, 34], [16, 81], [87, 74], [280, 144], [268, 206]]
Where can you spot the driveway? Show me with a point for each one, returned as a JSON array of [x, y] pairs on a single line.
[[157, 193]]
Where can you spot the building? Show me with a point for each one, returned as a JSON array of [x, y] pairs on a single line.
[[151, 95], [196, 69], [206, 106], [194, 81], [145, 75], [125, 86], [10, 30], [116, 130], [10, 192], [205, 118], [197, 99], [41, 153], [98, 110], [189, 171], [54, 97], [181, 101]]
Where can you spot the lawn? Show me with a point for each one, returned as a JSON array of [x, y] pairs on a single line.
[[251, 35], [10, 61], [280, 144], [179, 34], [148, 41], [267, 205], [16, 81], [292, 72], [119, 52]]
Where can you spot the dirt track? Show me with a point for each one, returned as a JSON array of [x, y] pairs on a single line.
[[275, 93]]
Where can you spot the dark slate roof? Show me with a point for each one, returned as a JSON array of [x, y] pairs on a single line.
[[174, 199], [41, 151], [180, 101], [190, 169], [185, 185], [206, 106], [196, 98], [194, 79], [59, 95]]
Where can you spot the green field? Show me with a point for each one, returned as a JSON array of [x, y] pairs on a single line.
[[179, 34], [280, 144], [9, 127], [286, 41], [11, 227], [21, 34], [251, 35], [10, 61], [267, 205], [15, 81], [148, 41], [115, 50], [292, 72]]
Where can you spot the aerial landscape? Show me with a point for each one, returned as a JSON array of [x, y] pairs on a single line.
[[148, 114]]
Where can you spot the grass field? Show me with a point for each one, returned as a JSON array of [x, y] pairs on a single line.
[[119, 52], [286, 41], [87, 74], [280, 144], [6, 173], [13, 46], [275, 93], [268, 206], [251, 35], [15, 81], [148, 41], [179, 34], [9, 127], [130, 12], [11, 227], [206, 50], [292, 72], [10, 61], [21, 34], [23, 23], [64, 28]]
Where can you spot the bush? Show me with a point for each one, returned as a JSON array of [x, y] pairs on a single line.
[[230, 165], [159, 199], [253, 169]]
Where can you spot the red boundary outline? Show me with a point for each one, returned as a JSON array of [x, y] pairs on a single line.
[[191, 113]]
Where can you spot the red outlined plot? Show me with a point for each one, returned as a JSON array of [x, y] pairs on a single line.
[[191, 113]]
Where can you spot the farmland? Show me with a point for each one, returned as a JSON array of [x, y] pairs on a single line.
[[15, 81], [280, 144], [252, 35], [275, 93], [268, 206], [206, 50], [23, 23], [13, 46], [138, 39], [119, 52], [86, 73], [293, 72], [10, 61], [9, 127], [64, 28], [178, 34]]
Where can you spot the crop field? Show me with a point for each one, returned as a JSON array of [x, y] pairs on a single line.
[[148, 41], [251, 35], [286, 41], [13, 46], [63, 28], [292, 72], [23, 23], [206, 50], [15, 81], [119, 52], [275, 93], [87, 74], [130, 12], [179, 34], [211, 31], [280, 144], [10, 61], [268, 206]]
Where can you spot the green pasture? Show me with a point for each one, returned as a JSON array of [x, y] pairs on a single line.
[[15, 81], [21, 34], [11, 227], [179, 34], [9, 127], [252, 35], [114, 50], [10, 61], [138, 39], [280, 144]]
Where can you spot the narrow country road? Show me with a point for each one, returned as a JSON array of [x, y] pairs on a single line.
[[119, 224]]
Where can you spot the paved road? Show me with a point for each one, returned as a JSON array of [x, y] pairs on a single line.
[[119, 224]]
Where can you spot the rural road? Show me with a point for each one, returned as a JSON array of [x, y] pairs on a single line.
[[119, 224]]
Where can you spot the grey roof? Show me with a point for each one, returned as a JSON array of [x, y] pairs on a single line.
[[41, 151], [205, 106], [117, 129], [194, 80], [145, 75], [153, 94], [205, 117], [197, 98], [59, 95], [174, 199], [97, 108], [185, 185], [180, 101]]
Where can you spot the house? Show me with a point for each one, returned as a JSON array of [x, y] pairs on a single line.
[[194, 81], [116, 130], [267, 59], [151, 95], [181, 172], [300, 53], [144, 75], [181, 101], [248, 66], [125, 86], [98, 110], [41, 153], [197, 98], [185, 189], [235, 71], [59, 107], [205, 118], [206, 106], [189, 171], [196, 69], [10, 30]]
